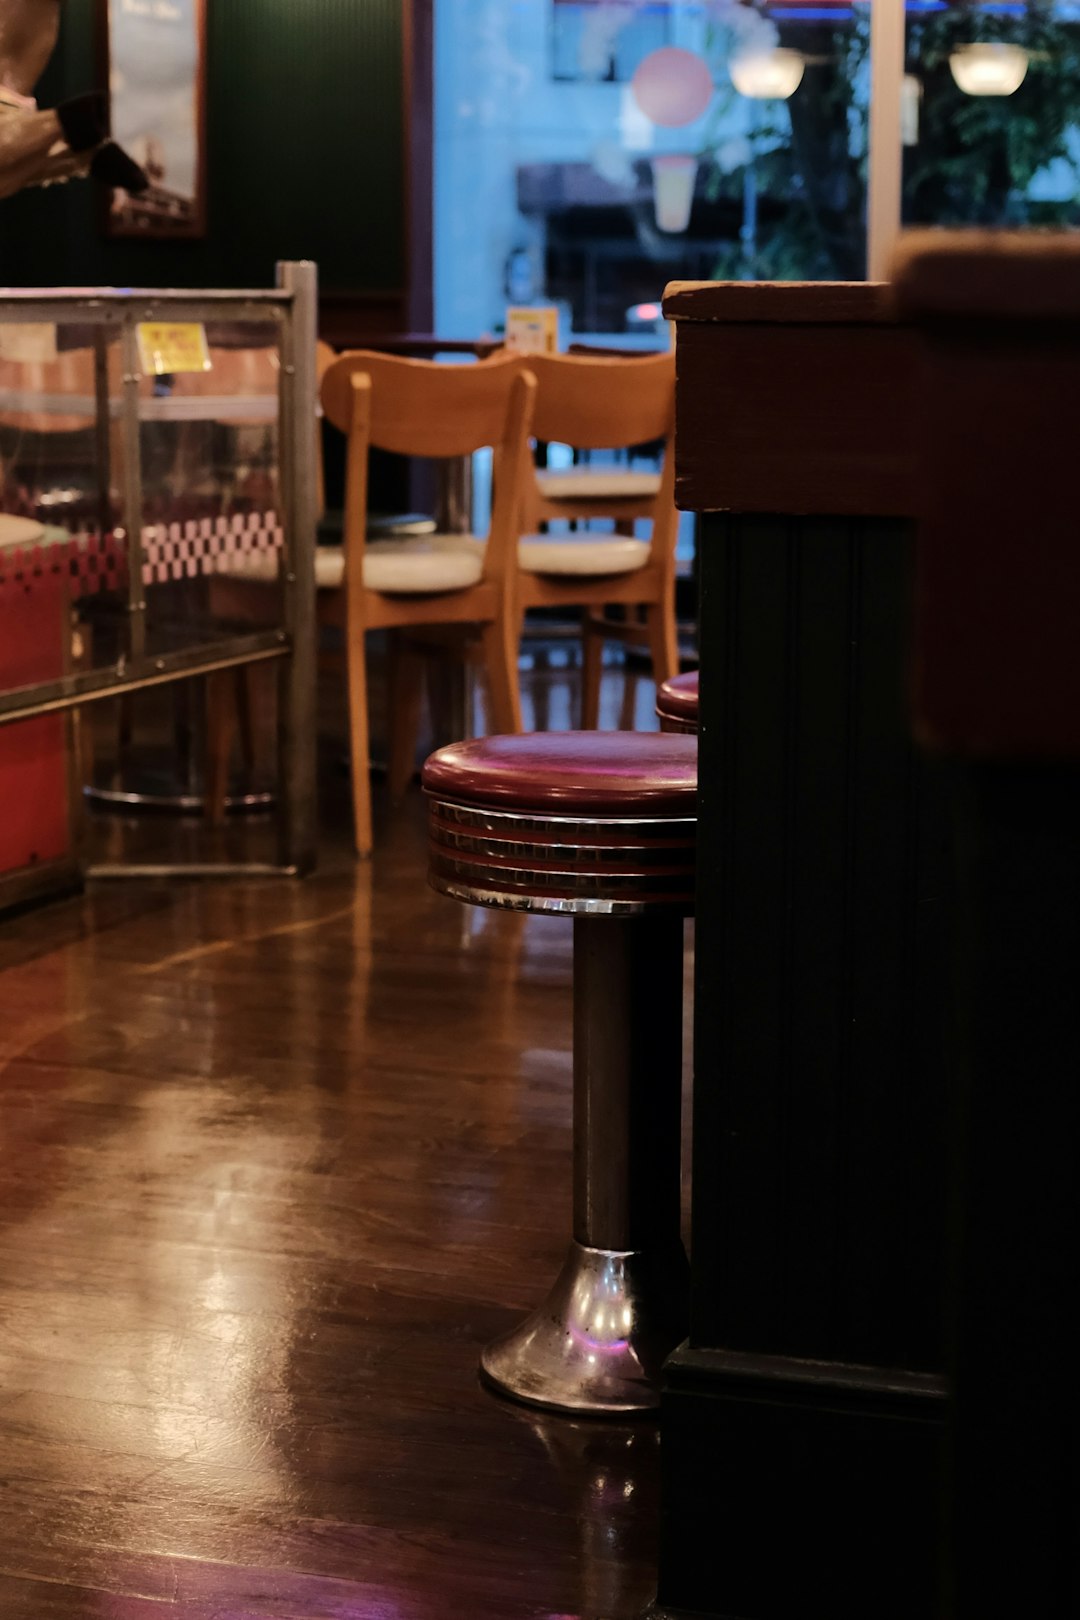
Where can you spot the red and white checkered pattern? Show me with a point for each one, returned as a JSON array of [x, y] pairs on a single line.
[[93, 562], [206, 545], [171, 551]]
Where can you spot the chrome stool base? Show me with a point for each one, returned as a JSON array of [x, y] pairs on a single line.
[[620, 1305], [597, 1343]]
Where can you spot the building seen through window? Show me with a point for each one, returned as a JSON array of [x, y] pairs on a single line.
[[579, 163]]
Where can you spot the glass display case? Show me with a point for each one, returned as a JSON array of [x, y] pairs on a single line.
[[158, 505]]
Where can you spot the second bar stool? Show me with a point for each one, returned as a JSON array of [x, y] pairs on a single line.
[[677, 703], [601, 827]]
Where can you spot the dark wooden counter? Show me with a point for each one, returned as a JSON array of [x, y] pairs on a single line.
[[794, 397], [802, 1421]]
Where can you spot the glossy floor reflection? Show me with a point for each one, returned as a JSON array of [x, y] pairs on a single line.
[[277, 1159]]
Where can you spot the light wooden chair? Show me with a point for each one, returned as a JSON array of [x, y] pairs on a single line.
[[427, 409], [601, 403]]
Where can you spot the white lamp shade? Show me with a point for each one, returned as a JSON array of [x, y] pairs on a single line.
[[910, 97], [767, 75], [989, 69], [673, 191]]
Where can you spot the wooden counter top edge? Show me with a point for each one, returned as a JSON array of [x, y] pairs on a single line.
[[780, 303]]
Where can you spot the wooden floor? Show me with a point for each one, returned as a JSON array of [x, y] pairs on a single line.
[[277, 1159]]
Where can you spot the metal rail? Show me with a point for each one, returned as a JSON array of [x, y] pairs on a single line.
[[72, 691]]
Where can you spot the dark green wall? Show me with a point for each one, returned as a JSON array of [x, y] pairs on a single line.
[[306, 158]]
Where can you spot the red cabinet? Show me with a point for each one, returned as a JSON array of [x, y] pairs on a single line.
[[34, 818]]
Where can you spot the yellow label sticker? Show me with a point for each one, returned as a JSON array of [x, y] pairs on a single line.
[[166, 347], [533, 331]]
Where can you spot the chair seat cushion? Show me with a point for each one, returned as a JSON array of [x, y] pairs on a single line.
[[20, 531], [677, 699], [566, 773], [438, 562], [591, 555], [411, 567], [597, 483]]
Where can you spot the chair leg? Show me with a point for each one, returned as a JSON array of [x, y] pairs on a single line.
[[125, 727], [406, 694], [80, 657], [220, 727], [663, 640], [453, 679], [438, 700], [628, 712], [359, 743], [499, 644], [244, 689], [592, 664]]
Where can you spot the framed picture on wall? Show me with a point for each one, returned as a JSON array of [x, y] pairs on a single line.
[[155, 56]]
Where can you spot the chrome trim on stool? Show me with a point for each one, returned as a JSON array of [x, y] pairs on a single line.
[[467, 815], [675, 727], [596, 867], [565, 857], [557, 905]]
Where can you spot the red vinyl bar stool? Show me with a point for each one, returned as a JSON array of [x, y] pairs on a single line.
[[677, 703], [601, 827]]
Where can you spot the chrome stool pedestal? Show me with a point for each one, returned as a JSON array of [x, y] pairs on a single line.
[[599, 826], [619, 1304]]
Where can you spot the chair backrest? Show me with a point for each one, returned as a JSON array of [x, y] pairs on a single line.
[[594, 402], [602, 402], [70, 373], [424, 408]]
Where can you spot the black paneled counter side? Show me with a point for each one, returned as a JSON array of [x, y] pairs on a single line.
[[802, 1420]]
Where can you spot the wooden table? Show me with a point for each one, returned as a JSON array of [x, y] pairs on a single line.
[[802, 1421]]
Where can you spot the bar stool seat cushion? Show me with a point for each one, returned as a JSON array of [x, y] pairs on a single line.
[[20, 531], [586, 823], [406, 567], [592, 773], [594, 556], [597, 483], [677, 700]]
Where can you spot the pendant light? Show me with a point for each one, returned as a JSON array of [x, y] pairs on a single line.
[[673, 87], [767, 75], [992, 68]]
